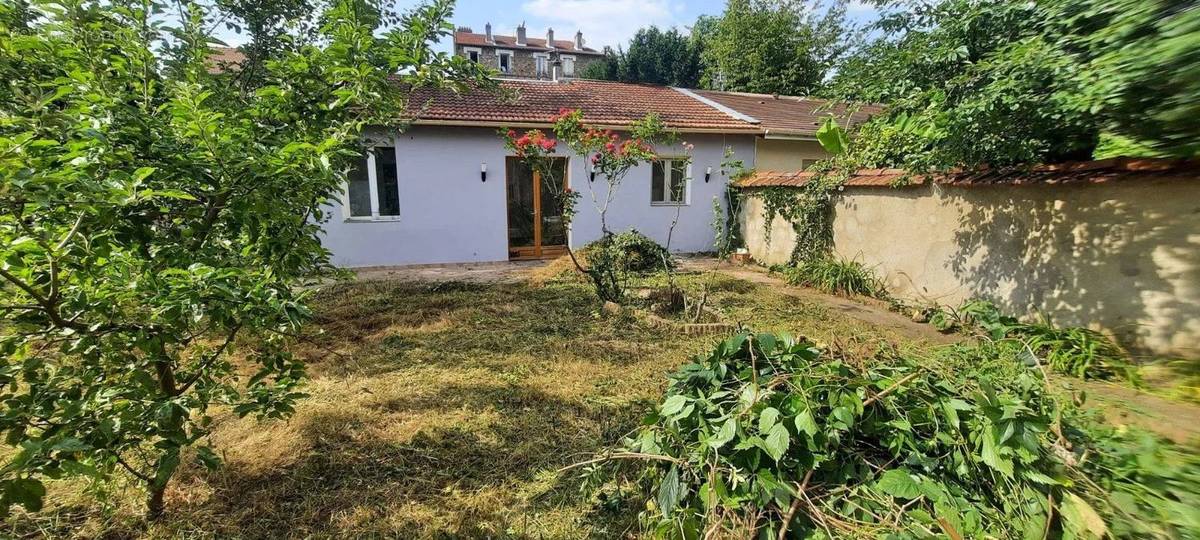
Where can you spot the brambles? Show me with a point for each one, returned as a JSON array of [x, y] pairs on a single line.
[[767, 437]]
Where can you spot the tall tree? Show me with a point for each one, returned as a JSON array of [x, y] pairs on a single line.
[[654, 56], [157, 212], [1008, 81], [774, 46]]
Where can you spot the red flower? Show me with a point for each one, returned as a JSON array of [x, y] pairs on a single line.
[[548, 144], [596, 159], [610, 147], [512, 133]]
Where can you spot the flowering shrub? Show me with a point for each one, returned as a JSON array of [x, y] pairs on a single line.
[[610, 157]]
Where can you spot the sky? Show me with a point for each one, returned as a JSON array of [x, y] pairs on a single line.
[[603, 22]]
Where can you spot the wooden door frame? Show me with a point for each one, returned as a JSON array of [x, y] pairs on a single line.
[[537, 250]]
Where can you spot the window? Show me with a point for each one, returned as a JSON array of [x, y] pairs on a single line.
[[373, 186], [541, 64], [568, 64], [504, 61], [472, 54], [669, 181]]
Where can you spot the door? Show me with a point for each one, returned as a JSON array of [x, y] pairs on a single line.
[[535, 230]]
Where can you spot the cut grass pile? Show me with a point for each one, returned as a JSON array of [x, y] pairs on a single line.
[[443, 411]]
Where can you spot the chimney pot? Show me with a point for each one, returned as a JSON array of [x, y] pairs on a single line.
[[521, 34], [550, 38], [487, 30], [579, 40]]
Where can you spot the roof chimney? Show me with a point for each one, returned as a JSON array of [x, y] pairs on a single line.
[[521, 34], [550, 38], [487, 30], [579, 40]]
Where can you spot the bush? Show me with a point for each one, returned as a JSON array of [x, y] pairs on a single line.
[[629, 252], [765, 434], [834, 276]]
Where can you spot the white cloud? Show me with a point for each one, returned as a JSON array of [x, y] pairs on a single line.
[[603, 22]]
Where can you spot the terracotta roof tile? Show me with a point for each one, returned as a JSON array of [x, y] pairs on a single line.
[[1085, 172], [222, 58], [510, 42], [789, 115], [604, 103]]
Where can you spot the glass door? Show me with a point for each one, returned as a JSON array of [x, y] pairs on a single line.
[[535, 230]]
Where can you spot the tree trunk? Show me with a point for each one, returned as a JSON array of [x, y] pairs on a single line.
[[154, 503]]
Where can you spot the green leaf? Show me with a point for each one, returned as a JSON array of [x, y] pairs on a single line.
[[899, 483], [777, 441], [805, 423], [674, 404], [1081, 519], [670, 492], [724, 435], [832, 137], [767, 419], [27, 492]]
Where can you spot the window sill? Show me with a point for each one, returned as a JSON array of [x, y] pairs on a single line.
[[368, 219], [652, 203]]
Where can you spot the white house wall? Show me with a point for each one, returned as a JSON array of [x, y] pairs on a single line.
[[448, 215]]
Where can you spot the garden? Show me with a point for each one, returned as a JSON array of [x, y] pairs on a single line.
[[518, 409]]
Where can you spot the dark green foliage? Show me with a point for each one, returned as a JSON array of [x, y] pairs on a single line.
[[1005, 82], [970, 444], [773, 46], [835, 276], [654, 56]]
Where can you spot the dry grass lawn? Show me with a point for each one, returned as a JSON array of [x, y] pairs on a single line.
[[443, 411]]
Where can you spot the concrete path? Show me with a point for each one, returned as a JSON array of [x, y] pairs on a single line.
[[492, 272]]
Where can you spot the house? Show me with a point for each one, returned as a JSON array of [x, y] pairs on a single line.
[[525, 57], [789, 125], [445, 190]]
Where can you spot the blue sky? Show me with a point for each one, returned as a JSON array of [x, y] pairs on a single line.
[[603, 22]]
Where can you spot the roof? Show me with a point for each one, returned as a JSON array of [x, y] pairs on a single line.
[[529, 103], [1083, 172], [789, 115], [221, 58], [510, 42]]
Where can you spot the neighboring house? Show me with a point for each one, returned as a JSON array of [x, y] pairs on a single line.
[[447, 191], [524, 57], [789, 138]]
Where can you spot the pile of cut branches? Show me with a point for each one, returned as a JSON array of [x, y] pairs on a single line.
[[767, 438]]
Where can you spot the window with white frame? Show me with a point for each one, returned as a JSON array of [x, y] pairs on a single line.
[[541, 64], [669, 181], [473, 53], [504, 61], [568, 64], [373, 187]]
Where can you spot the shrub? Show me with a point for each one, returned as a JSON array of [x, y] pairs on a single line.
[[765, 434], [834, 276], [630, 251]]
